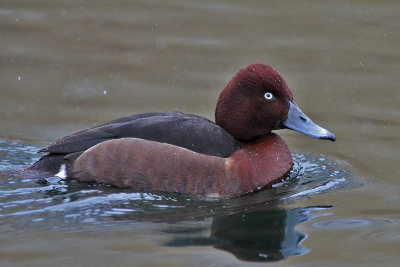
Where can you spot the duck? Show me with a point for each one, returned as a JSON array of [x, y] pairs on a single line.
[[188, 154]]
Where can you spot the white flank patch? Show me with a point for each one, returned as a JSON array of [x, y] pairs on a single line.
[[62, 173]]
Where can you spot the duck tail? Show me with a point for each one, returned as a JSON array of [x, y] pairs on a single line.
[[47, 166]]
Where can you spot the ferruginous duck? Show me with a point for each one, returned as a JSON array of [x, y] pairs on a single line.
[[188, 154]]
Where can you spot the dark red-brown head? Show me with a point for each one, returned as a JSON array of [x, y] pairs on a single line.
[[258, 100]]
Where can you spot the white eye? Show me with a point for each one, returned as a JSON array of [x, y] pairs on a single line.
[[269, 95]]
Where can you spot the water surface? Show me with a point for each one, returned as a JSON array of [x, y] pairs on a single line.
[[256, 227], [65, 66]]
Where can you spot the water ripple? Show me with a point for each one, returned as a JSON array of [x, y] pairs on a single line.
[[37, 201], [241, 226]]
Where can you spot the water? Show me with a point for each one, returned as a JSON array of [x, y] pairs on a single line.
[[253, 228], [68, 66]]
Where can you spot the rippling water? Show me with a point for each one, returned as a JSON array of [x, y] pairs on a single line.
[[67, 65], [254, 227]]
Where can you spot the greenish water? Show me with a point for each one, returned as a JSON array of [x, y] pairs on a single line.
[[65, 66], [257, 227]]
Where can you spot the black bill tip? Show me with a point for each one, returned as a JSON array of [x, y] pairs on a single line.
[[298, 121]]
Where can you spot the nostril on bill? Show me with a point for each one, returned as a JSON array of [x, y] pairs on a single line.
[[303, 118]]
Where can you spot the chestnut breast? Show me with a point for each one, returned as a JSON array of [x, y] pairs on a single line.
[[145, 165]]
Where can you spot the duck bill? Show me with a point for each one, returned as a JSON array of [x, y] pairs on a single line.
[[298, 121]]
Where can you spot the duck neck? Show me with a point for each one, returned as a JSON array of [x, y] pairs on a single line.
[[262, 162]]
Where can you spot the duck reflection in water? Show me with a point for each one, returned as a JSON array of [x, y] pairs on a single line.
[[267, 235]]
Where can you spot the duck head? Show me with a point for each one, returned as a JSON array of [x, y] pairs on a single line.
[[258, 100]]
